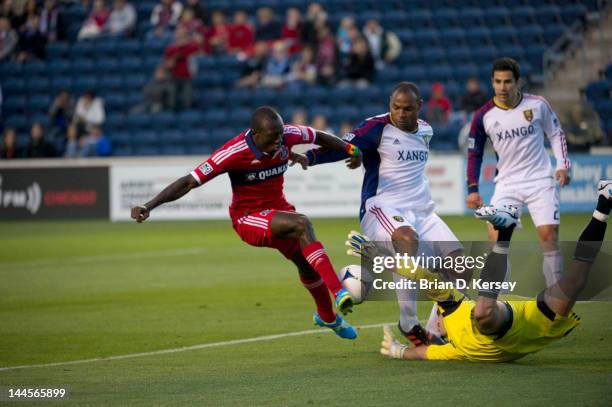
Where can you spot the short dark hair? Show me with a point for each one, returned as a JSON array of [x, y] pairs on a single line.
[[507, 64], [264, 114], [407, 87]]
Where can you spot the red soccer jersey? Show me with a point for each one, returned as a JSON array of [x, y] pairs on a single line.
[[256, 177]]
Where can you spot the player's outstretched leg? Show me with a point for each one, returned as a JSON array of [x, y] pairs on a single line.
[[561, 297], [291, 225]]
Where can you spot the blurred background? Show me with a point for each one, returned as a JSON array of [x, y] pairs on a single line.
[[95, 78]]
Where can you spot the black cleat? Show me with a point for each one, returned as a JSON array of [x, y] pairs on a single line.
[[419, 336]]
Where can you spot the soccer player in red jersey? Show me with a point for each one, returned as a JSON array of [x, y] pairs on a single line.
[[255, 161]]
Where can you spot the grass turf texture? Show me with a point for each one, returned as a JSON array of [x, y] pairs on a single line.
[[80, 290]]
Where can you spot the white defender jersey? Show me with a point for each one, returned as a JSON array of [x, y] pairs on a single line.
[[517, 136], [394, 163]]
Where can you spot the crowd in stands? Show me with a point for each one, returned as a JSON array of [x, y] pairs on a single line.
[[297, 50]]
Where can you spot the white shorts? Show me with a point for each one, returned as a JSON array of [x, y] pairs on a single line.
[[541, 198], [435, 237]]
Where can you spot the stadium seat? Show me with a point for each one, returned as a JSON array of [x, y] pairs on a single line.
[[56, 50], [459, 55], [114, 121], [504, 34], [426, 38], [547, 14], [34, 68], [599, 90], [13, 86], [146, 150], [37, 84], [573, 13], [434, 55], [84, 83], [163, 120], [522, 16], [173, 150], [39, 103], [114, 101], [530, 36], [439, 73], [478, 36], [496, 16], [452, 37], [145, 138], [471, 17], [447, 18], [138, 121], [110, 82], [58, 67], [59, 83], [552, 33]]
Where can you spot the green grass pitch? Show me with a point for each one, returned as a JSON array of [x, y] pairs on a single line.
[[82, 290]]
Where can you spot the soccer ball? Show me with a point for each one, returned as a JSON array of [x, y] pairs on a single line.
[[357, 281]]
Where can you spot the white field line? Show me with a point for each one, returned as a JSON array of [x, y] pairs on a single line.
[[187, 348], [105, 257]]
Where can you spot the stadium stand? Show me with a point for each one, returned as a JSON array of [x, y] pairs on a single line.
[[455, 40], [599, 94]]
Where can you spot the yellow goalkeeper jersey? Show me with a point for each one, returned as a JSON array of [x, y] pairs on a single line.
[[531, 330]]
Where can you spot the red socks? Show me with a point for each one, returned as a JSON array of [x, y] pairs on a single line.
[[315, 256], [319, 292]]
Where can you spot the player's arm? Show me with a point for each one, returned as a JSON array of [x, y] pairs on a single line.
[[476, 145], [328, 155], [558, 143], [344, 149], [171, 193], [215, 165]]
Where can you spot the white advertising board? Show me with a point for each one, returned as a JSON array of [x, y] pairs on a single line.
[[329, 190]]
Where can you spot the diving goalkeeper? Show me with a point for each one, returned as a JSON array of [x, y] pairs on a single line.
[[490, 330]]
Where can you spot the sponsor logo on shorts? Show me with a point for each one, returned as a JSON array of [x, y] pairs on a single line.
[[206, 168], [265, 213], [398, 218], [471, 142]]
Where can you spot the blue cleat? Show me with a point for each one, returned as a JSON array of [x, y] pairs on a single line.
[[344, 301], [342, 328]]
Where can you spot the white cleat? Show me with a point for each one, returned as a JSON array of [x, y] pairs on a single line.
[[604, 188], [500, 217]]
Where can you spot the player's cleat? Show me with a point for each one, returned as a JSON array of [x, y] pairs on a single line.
[[419, 336], [500, 217], [342, 328], [344, 301], [604, 188]]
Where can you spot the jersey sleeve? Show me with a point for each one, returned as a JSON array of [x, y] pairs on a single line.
[[299, 135], [443, 352], [216, 164], [366, 137], [476, 145], [556, 136]]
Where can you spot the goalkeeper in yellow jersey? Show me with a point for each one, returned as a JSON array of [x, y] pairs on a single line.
[[490, 330]]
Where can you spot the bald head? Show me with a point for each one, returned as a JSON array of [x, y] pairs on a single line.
[[404, 106], [264, 118], [407, 88], [267, 129]]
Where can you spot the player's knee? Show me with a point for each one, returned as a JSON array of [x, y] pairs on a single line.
[[301, 224], [548, 234], [405, 240]]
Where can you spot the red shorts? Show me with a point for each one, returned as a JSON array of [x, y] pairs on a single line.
[[254, 228]]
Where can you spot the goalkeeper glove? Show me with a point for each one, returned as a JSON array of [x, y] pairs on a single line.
[[390, 346]]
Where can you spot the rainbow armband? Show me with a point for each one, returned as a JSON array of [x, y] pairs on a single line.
[[352, 150]]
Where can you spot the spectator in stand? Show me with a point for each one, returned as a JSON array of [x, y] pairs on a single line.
[[198, 11], [164, 18], [95, 144], [95, 22], [194, 27], [8, 38], [299, 118], [475, 97], [267, 28], [242, 35], [277, 67], [15, 11], [292, 30], [122, 19], [158, 94], [345, 128], [218, 34], [51, 22], [32, 42], [316, 17], [439, 106], [319, 122], [252, 70], [9, 148], [384, 45], [38, 147], [304, 70], [343, 35], [89, 112], [325, 59], [176, 60], [360, 69], [73, 145], [61, 112]]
